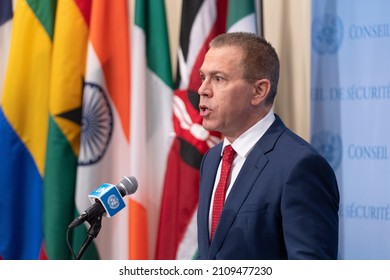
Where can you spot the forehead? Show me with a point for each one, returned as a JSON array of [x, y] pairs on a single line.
[[222, 59]]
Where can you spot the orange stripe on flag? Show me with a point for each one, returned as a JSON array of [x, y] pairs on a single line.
[[110, 38], [138, 248]]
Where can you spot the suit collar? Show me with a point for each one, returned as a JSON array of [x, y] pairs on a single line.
[[247, 140], [269, 139]]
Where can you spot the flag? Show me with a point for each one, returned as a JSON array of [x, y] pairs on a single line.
[[151, 125], [242, 16], [66, 84], [24, 129], [200, 22], [105, 139], [6, 13]]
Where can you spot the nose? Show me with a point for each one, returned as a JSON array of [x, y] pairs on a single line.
[[204, 89]]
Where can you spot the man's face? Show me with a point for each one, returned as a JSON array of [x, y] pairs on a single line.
[[225, 97]]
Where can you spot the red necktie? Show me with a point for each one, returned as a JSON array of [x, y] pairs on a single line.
[[219, 197]]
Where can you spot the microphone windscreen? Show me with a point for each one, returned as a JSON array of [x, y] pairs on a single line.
[[129, 184]]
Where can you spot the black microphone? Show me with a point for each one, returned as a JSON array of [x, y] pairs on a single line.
[[107, 198]]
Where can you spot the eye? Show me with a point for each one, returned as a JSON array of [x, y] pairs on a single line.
[[218, 78], [202, 77]]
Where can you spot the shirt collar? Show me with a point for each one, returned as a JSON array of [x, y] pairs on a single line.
[[246, 141]]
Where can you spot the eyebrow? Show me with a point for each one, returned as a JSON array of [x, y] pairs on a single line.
[[212, 73]]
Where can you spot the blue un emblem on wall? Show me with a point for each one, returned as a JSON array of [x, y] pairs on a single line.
[[327, 34], [329, 145]]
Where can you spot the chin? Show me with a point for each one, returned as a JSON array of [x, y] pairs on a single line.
[[207, 126]]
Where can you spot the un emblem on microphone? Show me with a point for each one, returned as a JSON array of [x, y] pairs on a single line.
[[96, 124], [327, 34], [113, 201], [329, 145]]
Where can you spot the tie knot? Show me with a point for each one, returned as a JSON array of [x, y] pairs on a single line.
[[228, 153]]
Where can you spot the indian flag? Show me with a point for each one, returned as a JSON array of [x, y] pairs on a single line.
[[104, 155], [151, 122], [24, 128]]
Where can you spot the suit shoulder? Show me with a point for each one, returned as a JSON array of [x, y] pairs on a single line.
[[295, 147], [297, 141]]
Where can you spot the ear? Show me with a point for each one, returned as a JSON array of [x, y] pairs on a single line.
[[262, 88]]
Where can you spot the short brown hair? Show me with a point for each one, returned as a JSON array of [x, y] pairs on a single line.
[[260, 58]]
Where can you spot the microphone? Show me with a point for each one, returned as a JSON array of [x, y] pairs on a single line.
[[106, 199]]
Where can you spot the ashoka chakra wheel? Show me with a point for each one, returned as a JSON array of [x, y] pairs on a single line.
[[97, 124]]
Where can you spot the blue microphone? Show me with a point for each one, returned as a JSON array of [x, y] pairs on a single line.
[[106, 199]]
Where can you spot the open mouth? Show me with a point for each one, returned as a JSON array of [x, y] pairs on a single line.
[[204, 110]]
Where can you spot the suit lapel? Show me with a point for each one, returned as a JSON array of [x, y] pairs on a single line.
[[249, 172]]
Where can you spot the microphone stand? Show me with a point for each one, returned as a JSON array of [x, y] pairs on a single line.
[[92, 233]]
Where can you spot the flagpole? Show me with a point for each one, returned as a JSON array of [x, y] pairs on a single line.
[[259, 17]]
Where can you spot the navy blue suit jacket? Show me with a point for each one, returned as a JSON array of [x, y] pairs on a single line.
[[283, 205]]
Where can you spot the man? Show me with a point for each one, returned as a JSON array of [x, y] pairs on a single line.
[[282, 199]]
